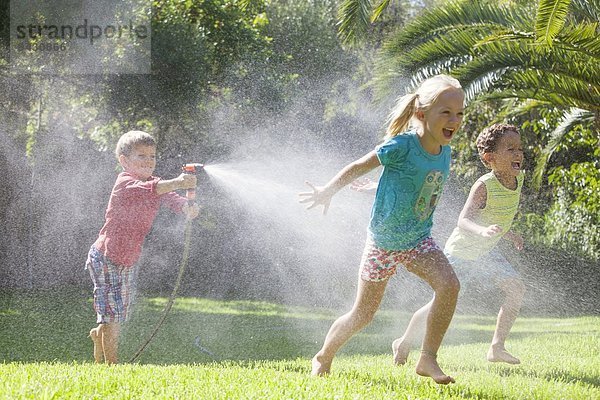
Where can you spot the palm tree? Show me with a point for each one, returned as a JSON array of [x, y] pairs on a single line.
[[544, 55]]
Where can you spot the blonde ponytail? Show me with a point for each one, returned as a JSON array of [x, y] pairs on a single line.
[[402, 113], [426, 94]]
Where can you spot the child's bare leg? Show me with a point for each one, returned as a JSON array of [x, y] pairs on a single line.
[[110, 342], [96, 336], [514, 290], [402, 346], [368, 298], [434, 268]]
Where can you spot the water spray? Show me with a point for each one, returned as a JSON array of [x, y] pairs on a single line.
[[196, 169]]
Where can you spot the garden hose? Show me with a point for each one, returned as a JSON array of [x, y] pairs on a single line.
[[165, 312]]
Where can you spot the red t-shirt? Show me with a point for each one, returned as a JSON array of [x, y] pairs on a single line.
[[131, 210]]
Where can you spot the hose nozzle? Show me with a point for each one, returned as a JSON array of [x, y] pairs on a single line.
[[195, 169], [192, 168]]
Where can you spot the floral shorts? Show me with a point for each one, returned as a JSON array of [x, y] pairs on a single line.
[[378, 264], [113, 287]]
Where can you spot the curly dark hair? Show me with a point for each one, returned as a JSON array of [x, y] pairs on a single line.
[[488, 139]]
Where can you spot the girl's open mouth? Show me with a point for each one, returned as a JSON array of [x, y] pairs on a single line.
[[516, 165], [448, 133]]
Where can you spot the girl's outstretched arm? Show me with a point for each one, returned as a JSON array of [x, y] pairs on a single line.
[[364, 185], [321, 195]]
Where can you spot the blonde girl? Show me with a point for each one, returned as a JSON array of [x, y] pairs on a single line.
[[415, 156]]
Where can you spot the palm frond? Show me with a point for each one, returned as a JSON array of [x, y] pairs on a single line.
[[519, 108], [379, 9], [389, 78], [458, 15], [571, 73], [454, 44], [570, 119], [243, 4], [551, 15], [481, 84], [581, 37], [562, 90], [354, 19], [586, 10], [494, 48]]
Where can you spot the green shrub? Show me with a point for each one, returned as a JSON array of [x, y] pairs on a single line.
[[573, 221]]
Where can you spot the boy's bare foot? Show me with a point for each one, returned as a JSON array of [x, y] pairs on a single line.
[[428, 366], [98, 350], [400, 350], [499, 354], [319, 367]]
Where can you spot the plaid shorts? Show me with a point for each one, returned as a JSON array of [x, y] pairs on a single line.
[[378, 264], [113, 287]]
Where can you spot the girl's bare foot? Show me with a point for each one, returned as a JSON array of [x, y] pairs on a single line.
[[319, 367], [428, 366], [98, 349], [499, 354], [400, 349]]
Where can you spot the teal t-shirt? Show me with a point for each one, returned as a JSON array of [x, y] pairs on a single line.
[[408, 191]]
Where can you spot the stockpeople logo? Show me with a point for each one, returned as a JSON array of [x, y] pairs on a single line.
[[80, 37]]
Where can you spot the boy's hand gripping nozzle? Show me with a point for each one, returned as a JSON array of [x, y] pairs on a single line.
[[192, 168]]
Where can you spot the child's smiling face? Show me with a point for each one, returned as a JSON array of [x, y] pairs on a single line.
[[442, 120], [507, 159], [140, 162]]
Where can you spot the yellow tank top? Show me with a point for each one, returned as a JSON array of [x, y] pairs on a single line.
[[501, 205]]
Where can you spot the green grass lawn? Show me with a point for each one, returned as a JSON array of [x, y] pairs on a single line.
[[255, 350]]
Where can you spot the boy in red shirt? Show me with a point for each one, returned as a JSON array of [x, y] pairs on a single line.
[[134, 203]]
